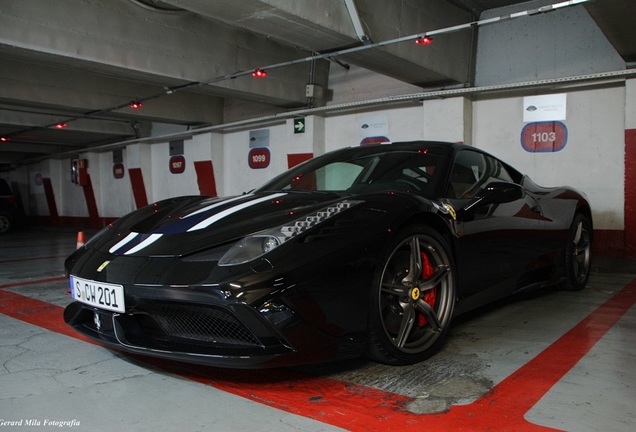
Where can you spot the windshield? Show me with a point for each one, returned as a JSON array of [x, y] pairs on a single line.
[[357, 173]]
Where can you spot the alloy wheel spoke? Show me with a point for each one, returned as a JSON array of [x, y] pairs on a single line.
[[394, 289], [415, 264], [583, 246], [582, 255], [408, 319], [441, 272], [581, 264], [577, 235], [427, 310]]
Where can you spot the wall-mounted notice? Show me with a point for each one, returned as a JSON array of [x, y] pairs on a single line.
[[374, 129], [259, 138], [544, 108]]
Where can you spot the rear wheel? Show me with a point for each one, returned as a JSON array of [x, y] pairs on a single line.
[[578, 253], [5, 223], [413, 298]]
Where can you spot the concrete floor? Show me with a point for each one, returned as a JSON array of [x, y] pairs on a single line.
[[550, 360]]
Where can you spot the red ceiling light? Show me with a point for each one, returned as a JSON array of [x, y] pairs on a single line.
[[424, 40], [60, 126], [259, 73], [136, 105]]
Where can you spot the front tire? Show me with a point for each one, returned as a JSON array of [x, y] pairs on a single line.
[[578, 253], [413, 300]]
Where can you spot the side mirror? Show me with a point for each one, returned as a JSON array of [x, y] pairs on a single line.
[[496, 193]]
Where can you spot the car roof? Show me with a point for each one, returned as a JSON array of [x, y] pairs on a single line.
[[417, 144], [370, 149]]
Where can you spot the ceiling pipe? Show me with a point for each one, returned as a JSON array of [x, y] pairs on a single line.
[[552, 83], [357, 22], [328, 56]]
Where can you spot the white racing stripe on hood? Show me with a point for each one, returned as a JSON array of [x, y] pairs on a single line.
[[144, 244], [212, 219], [130, 237], [216, 204]]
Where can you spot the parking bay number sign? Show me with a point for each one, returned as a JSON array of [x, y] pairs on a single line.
[[259, 158], [544, 136]]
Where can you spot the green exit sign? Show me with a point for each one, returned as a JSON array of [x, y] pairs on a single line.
[[299, 125]]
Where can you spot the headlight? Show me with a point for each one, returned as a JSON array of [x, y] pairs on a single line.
[[258, 244], [249, 249]]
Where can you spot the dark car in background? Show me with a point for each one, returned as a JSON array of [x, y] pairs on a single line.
[[369, 250], [9, 210]]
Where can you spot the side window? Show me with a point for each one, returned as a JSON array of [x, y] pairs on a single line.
[[472, 171], [497, 171], [336, 176], [468, 169]]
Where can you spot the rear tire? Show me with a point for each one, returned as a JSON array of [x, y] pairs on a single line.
[[578, 253], [413, 299], [5, 223]]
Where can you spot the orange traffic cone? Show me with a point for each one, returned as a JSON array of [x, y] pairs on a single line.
[[80, 240]]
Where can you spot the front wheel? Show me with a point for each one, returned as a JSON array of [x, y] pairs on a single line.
[[413, 298], [578, 253]]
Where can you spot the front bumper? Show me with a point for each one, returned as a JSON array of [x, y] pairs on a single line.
[[201, 334]]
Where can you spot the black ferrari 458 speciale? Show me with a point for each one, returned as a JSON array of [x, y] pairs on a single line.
[[369, 251]]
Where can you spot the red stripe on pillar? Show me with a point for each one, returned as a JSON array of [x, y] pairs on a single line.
[[91, 204], [205, 177], [50, 200], [630, 192], [297, 158], [138, 187]]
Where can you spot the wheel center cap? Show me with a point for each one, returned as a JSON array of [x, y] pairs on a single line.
[[415, 294]]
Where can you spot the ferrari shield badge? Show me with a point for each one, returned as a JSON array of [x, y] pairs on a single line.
[[451, 210], [415, 294]]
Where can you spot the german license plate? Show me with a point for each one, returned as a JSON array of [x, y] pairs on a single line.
[[99, 294]]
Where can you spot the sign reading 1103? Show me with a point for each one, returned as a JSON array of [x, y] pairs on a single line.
[[544, 136]]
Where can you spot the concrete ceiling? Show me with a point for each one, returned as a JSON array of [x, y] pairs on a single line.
[[82, 62]]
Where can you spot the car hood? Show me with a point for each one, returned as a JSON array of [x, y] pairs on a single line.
[[187, 225]]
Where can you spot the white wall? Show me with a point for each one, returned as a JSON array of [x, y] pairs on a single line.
[[164, 183], [630, 104], [592, 160], [239, 177], [69, 197], [562, 43], [113, 196]]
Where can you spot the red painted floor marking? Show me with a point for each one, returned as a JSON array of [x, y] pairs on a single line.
[[32, 258], [33, 282], [359, 408], [36, 312]]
